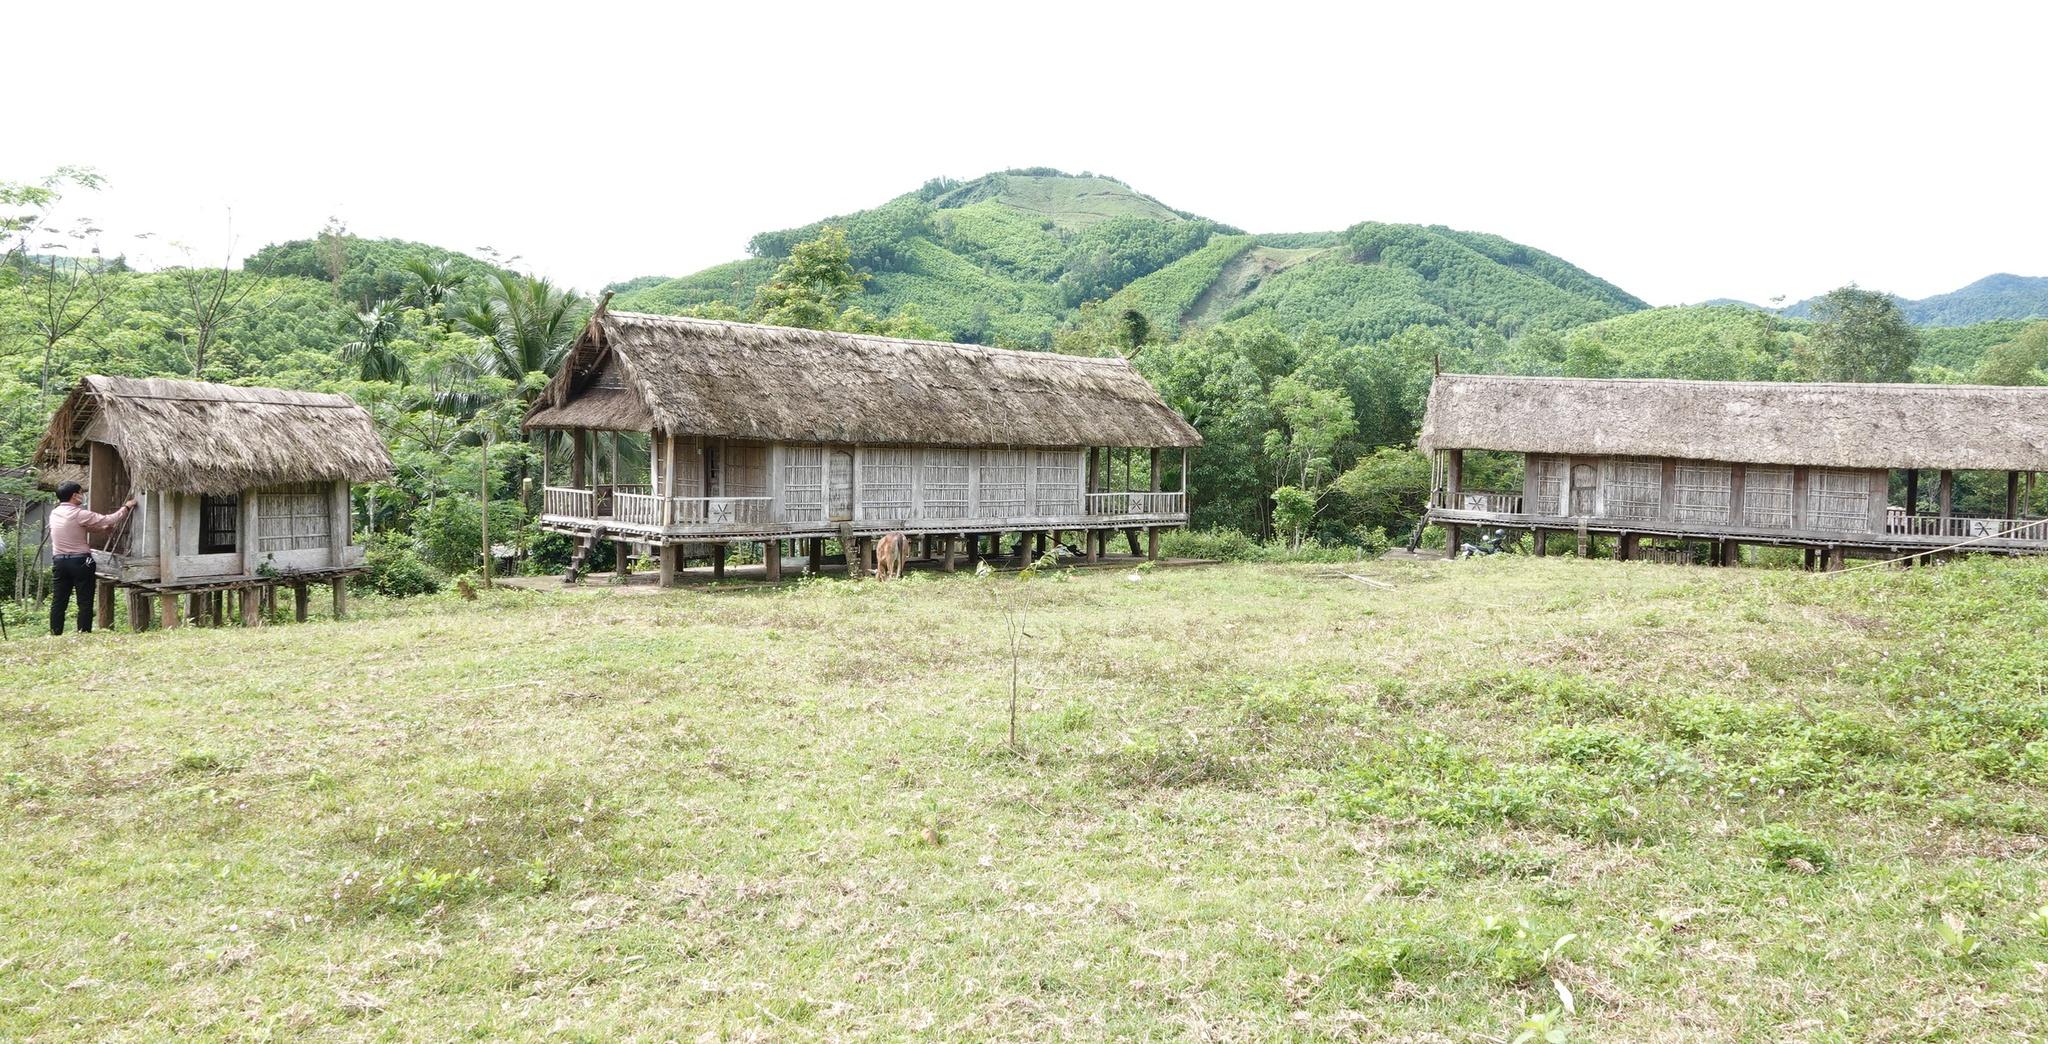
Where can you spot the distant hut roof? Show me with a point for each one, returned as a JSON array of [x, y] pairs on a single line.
[[1939, 426], [212, 438], [740, 380]]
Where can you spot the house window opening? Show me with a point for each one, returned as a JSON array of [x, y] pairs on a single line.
[[217, 522]]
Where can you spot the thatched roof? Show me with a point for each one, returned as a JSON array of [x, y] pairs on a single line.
[[212, 438], [740, 380], [1934, 426]]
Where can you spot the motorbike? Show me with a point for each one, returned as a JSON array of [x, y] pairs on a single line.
[[1493, 543]]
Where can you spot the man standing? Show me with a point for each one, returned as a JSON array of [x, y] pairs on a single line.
[[71, 552]]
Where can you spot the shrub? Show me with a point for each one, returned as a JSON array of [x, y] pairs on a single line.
[[396, 570], [450, 535], [1230, 545]]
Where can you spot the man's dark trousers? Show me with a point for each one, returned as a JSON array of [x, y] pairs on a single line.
[[73, 573]]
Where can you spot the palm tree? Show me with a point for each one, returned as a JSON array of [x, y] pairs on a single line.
[[433, 285], [525, 325], [374, 329]]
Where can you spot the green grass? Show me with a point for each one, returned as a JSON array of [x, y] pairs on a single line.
[[1078, 202], [1253, 802]]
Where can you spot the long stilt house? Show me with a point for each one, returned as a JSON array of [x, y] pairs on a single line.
[[1811, 466], [239, 491], [785, 437]]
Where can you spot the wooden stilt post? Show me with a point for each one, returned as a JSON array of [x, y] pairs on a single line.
[[1625, 548], [1152, 534], [1541, 542], [667, 576], [103, 610], [300, 596], [1131, 537], [973, 542], [340, 585], [1838, 559], [138, 611], [2012, 494], [951, 546], [771, 551], [1807, 562], [169, 609], [1093, 539], [1451, 535], [1912, 491], [815, 554], [718, 561]]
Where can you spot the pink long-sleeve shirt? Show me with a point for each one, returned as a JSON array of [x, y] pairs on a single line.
[[70, 523]]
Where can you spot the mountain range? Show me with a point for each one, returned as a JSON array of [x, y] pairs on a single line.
[[1011, 257]]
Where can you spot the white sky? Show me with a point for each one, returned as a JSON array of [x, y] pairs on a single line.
[[1684, 153]]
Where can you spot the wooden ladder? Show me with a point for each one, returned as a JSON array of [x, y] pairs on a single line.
[[580, 559]]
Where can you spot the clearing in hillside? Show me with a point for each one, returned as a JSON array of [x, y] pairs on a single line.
[[1242, 277], [1620, 801], [1070, 202]]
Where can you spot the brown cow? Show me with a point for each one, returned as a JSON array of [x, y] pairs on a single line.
[[889, 554]]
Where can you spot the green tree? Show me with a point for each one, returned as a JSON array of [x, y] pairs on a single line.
[[1861, 336], [524, 325], [2021, 360], [810, 289], [1387, 489], [370, 348], [1312, 420], [431, 286], [62, 291], [1294, 512]]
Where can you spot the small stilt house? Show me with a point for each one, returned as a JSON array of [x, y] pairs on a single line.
[[1835, 469], [776, 436], [240, 491]]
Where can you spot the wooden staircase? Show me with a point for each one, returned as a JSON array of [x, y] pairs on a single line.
[[580, 560]]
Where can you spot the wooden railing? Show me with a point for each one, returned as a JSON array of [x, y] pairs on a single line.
[[1957, 527], [570, 503], [1137, 502], [639, 509], [723, 511], [1477, 502]]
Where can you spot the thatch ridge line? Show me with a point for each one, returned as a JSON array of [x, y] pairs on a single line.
[[249, 402], [1835, 424], [1899, 387], [193, 437], [982, 349], [740, 380]]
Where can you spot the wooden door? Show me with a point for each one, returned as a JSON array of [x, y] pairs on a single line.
[[1585, 489], [839, 485]]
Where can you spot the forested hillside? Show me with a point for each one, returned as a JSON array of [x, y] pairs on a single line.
[[1010, 258]]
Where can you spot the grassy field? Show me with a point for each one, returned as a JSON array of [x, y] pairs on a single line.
[[1251, 802]]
